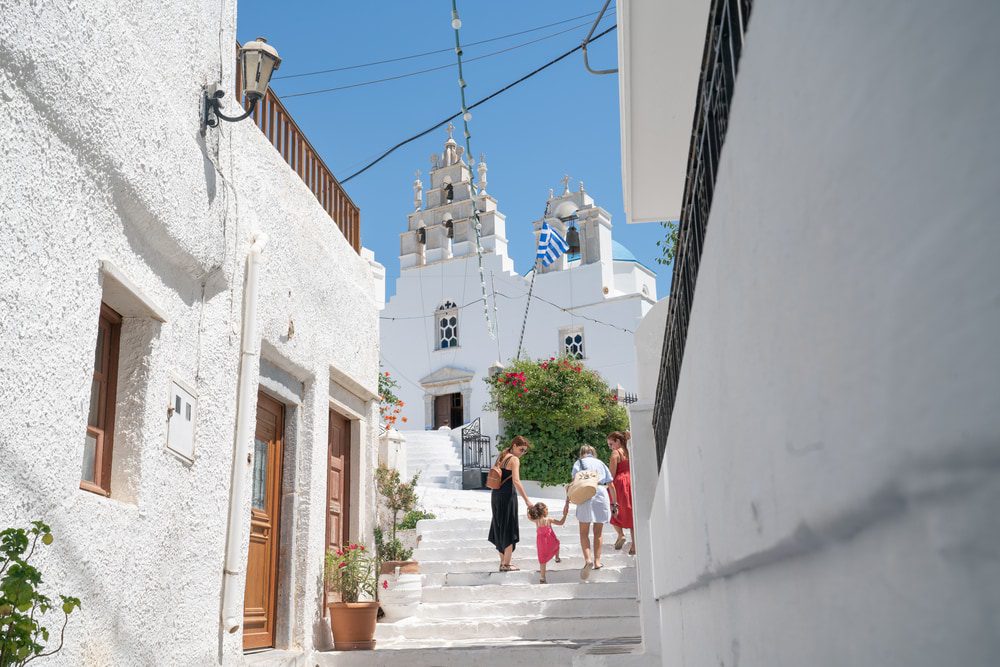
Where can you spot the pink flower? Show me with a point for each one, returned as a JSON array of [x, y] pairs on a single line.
[[385, 584], [342, 565]]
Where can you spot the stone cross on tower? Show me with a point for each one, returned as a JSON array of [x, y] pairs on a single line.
[[565, 182], [451, 130], [418, 192]]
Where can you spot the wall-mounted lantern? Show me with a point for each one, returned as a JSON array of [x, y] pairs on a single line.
[[258, 60]]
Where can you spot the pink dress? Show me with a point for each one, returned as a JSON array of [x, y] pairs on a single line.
[[547, 543]]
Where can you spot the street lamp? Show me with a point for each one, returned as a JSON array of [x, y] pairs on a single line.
[[258, 60]]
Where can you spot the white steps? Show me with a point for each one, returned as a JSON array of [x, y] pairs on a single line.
[[435, 456], [471, 614]]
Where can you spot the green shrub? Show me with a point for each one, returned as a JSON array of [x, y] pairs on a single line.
[[409, 521], [391, 549], [22, 606], [559, 405]]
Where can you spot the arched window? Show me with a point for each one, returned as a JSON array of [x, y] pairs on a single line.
[[446, 321]]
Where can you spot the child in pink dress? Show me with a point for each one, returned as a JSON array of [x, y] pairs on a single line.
[[545, 538]]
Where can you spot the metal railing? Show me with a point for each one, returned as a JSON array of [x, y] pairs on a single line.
[[290, 141], [477, 455], [723, 46]]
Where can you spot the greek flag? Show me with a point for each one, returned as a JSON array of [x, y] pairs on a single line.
[[550, 245]]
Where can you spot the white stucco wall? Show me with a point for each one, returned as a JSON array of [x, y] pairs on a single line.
[[830, 488], [102, 159], [408, 342]]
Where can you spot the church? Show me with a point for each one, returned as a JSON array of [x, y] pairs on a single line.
[[440, 338]]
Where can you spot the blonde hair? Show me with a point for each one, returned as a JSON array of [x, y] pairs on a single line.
[[587, 450]]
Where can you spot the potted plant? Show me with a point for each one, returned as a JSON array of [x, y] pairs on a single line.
[[399, 584], [350, 572]]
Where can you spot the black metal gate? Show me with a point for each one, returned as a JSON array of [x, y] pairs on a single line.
[[477, 456]]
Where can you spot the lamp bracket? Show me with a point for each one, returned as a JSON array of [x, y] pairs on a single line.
[[212, 107]]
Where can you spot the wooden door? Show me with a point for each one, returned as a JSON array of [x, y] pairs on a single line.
[[260, 602], [457, 410], [442, 411], [338, 482]]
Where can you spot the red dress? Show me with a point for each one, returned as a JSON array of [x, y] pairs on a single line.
[[623, 491], [547, 543]]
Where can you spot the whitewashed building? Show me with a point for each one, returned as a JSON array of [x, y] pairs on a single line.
[[434, 330], [817, 439], [195, 469]]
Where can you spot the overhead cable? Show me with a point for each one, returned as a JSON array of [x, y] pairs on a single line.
[[489, 97], [436, 68], [429, 53]]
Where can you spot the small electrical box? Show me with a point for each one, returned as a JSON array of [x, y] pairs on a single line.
[[182, 415]]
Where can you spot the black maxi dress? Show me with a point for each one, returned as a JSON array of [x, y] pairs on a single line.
[[504, 529]]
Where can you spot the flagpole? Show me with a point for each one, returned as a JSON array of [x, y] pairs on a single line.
[[527, 305]]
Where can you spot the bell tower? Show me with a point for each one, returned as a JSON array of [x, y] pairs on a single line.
[[443, 228], [584, 225]]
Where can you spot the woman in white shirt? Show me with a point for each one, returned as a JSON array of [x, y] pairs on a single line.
[[595, 511]]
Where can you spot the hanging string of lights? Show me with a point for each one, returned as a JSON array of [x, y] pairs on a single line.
[[456, 24]]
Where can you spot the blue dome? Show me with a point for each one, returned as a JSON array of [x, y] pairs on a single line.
[[621, 253]]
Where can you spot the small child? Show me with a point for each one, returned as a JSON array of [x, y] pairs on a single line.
[[545, 538]]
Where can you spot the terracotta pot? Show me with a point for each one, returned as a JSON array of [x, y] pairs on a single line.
[[353, 625], [405, 567]]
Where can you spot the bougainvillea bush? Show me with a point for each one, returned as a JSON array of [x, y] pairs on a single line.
[[559, 405], [389, 405]]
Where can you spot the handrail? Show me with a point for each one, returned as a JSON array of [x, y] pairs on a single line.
[[274, 121], [723, 46]]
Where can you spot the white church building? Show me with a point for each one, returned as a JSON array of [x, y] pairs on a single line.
[[435, 332]]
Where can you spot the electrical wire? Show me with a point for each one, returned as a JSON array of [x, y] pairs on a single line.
[[429, 53], [567, 310], [423, 317], [484, 100], [437, 68]]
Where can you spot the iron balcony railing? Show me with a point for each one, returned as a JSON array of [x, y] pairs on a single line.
[[723, 45], [290, 141]]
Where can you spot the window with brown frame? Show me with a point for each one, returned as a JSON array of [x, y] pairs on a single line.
[[99, 441]]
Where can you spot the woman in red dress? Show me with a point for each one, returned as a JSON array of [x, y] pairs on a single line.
[[621, 507]]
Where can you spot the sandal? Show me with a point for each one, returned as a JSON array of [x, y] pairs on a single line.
[[631, 550], [619, 543], [512, 568], [504, 568], [585, 572], [558, 559], [598, 567], [541, 580]]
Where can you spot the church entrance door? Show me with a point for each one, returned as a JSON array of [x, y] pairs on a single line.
[[448, 410]]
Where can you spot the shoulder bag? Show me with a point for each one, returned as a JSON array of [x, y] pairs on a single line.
[[583, 487]]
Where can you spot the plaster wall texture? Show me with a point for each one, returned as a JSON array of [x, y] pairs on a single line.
[[103, 160], [830, 484]]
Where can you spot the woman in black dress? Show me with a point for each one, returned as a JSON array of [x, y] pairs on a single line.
[[504, 532]]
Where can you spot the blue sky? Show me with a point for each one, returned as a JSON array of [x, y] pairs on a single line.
[[562, 121]]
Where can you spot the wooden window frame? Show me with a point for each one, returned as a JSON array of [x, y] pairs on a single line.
[[104, 433]]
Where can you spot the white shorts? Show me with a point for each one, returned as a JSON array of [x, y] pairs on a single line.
[[595, 510]]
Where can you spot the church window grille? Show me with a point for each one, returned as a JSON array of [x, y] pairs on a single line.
[[571, 342], [446, 321]]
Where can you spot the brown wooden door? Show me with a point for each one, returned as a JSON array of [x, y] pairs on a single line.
[[457, 411], [338, 484], [442, 410], [260, 602]]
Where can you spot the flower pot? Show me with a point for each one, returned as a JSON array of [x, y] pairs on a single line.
[[399, 588], [353, 625]]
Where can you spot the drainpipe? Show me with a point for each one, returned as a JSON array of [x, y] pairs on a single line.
[[232, 616]]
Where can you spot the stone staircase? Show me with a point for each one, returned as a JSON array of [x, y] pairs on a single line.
[[472, 614], [436, 456]]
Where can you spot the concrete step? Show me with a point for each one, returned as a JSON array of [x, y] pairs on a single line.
[[551, 591], [526, 577], [523, 627], [570, 561], [503, 608], [527, 531], [504, 652]]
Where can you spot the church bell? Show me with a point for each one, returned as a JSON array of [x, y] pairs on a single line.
[[573, 239]]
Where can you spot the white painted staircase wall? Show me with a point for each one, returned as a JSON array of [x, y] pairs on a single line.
[[436, 456], [471, 614]]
